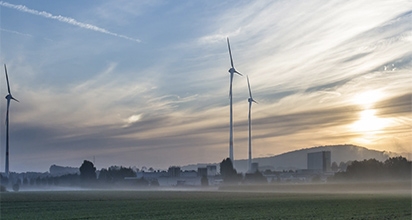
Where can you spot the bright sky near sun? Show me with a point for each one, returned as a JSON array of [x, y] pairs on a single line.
[[146, 83]]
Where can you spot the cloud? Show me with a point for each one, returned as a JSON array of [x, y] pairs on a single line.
[[399, 105], [210, 39], [16, 32], [67, 20], [168, 104], [134, 118]]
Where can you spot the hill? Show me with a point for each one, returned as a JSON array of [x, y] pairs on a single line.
[[298, 159]]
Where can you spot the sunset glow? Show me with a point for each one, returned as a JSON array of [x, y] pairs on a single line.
[[369, 123], [368, 98], [138, 83]]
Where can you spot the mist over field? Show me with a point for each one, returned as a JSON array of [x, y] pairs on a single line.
[[123, 204], [373, 188]]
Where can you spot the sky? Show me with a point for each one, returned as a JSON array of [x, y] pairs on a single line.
[[146, 83]]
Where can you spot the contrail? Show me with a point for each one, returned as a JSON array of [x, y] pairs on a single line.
[[68, 20], [16, 32]]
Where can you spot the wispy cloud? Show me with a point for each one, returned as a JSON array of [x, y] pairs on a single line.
[[214, 38], [67, 20], [167, 104]]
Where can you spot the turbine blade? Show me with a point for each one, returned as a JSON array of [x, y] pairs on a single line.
[[7, 78], [250, 92], [230, 53], [14, 99], [238, 73], [248, 85]]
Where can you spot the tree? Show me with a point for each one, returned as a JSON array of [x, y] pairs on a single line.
[[343, 166], [204, 181], [69, 180], [227, 171], [398, 167], [334, 167], [87, 172], [16, 187], [4, 181], [25, 181], [141, 182], [119, 174], [38, 181], [256, 177], [154, 183], [372, 169], [115, 174], [366, 169], [104, 176], [32, 181]]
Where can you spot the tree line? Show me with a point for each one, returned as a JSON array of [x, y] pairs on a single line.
[[230, 175], [395, 168], [87, 177], [113, 175]]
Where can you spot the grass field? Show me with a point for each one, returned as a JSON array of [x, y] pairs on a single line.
[[128, 204]]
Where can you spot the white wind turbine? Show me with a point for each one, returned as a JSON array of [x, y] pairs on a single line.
[[250, 100], [232, 71], [8, 97]]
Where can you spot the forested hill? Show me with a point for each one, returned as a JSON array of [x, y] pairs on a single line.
[[298, 159]]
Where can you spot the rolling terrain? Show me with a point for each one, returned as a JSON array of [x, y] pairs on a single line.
[[298, 159]]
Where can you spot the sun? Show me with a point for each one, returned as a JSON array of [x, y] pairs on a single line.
[[368, 98], [369, 122], [369, 126]]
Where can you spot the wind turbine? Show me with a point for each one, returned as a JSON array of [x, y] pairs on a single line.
[[232, 71], [250, 100], [8, 97]]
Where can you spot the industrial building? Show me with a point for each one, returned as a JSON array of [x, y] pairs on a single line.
[[319, 161]]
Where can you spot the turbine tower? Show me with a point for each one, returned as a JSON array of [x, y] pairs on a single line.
[[250, 100], [232, 71], [8, 97]]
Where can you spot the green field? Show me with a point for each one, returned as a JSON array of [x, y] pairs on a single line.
[[128, 204]]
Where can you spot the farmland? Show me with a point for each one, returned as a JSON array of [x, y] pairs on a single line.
[[210, 204]]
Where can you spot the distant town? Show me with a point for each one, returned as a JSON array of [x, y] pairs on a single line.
[[320, 168]]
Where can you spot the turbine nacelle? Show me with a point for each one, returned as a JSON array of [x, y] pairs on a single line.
[[9, 97], [233, 70], [250, 100]]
